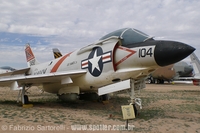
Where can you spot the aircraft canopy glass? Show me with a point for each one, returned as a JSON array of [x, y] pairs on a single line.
[[128, 36]]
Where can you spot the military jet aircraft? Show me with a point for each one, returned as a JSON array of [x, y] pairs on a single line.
[[172, 72], [120, 60], [5, 69]]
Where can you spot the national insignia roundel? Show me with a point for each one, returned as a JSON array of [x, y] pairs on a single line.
[[95, 61]]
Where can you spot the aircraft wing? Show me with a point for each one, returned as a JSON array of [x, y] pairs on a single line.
[[62, 77]]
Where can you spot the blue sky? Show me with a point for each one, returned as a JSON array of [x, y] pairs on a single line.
[[71, 24]]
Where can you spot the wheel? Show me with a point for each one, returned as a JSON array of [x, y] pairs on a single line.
[[160, 81], [104, 97], [151, 80], [26, 101]]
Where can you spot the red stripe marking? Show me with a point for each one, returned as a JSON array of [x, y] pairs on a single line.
[[126, 57], [85, 64], [56, 66], [106, 57]]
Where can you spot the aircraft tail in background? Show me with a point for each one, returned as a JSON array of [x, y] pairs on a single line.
[[56, 53], [30, 57], [196, 65]]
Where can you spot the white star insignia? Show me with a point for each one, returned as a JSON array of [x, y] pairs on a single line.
[[94, 61]]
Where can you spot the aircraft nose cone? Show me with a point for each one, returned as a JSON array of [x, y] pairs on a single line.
[[169, 52]]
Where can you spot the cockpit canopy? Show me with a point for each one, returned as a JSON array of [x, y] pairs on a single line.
[[129, 36]]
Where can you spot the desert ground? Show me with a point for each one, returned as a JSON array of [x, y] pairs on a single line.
[[168, 108]]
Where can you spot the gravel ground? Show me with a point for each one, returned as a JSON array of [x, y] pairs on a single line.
[[166, 108]]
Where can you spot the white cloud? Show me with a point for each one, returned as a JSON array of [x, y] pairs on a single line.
[[76, 23], [25, 29]]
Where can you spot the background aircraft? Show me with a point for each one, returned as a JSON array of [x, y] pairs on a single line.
[[171, 72], [56, 53], [5, 69], [196, 65], [120, 60]]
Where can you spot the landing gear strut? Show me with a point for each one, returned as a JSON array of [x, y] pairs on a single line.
[[24, 98], [104, 97], [136, 85]]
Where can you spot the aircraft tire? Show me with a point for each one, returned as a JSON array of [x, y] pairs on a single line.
[[104, 97], [26, 101], [161, 81], [151, 80]]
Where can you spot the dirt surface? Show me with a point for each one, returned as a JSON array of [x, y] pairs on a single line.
[[166, 108]]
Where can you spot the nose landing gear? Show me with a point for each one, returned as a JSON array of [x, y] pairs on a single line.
[[136, 85]]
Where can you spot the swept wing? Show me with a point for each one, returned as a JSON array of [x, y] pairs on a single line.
[[62, 77]]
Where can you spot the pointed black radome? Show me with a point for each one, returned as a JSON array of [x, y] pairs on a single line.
[[169, 52]]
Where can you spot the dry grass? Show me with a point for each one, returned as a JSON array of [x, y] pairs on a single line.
[[166, 108]]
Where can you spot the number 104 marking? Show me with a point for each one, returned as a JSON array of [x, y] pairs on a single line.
[[143, 52]]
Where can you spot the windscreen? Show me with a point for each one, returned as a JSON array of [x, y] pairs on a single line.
[[128, 36]]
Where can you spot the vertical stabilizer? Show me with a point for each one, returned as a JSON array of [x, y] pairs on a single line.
[[56, 53], [30, 58], [195, 63]]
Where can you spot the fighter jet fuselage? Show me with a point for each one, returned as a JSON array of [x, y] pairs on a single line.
[[120, 55], [120, 60]]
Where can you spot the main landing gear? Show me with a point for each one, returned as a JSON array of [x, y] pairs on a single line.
[[24, 98]]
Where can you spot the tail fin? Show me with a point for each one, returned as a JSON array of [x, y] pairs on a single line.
[[195, 63], [56, 53], [30, 58]]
